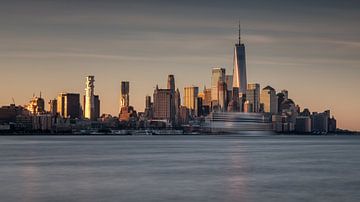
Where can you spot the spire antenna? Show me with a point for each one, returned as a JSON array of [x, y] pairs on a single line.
[[239, 33]]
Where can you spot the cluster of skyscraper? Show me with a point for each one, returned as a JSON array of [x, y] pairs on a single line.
[[228, 94]]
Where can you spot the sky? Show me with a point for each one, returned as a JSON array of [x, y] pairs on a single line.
[[311, 48]]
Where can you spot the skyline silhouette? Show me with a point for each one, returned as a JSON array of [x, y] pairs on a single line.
[[52, 46]]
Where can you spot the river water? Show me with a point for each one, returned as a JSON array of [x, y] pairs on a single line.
[[180, 168]]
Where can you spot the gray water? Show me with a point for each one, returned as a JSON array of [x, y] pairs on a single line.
[[181, 168]]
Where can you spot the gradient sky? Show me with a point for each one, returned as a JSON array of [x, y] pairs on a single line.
[[311, 48]]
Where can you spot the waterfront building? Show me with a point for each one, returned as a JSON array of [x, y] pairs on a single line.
[[239, 66], [125, 94], [332, 125], [253, 96], [68, 105], [269, 100], [89, 107], [9, 113], [320, 122], [190, 97], [303, 124], [42, 122], [218, 75]]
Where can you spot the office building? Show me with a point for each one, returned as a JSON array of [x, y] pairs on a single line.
[[253, 96], [206, 96], [229, 82], [222, 96], [268, 99], [68, 105], [162, 104], [218, 75], [36, 105], [190, 97], [320, 122], [53, 107], [303, 124], [148, 107], [125, 94], [96, 107]]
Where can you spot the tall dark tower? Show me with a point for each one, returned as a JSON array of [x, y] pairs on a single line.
[[171, 87], [171, 83], [239, 74]]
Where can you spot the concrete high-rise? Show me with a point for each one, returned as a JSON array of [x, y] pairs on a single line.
[[89, 98], [190, 97], [125, 94], [218, 75], [239, 71], [268, 99], [253, 96]]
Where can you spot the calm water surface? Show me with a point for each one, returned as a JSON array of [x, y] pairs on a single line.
[[182, 168]]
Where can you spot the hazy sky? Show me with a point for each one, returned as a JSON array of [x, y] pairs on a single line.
[[311, 48]]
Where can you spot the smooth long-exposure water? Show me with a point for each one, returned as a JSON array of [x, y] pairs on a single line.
[[180, 168]]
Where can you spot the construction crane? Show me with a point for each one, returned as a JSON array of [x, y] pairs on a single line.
[[13, 100]]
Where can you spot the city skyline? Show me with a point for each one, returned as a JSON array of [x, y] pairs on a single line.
[[38, 61]]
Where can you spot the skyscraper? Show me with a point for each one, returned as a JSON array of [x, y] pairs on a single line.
[[89, 98], [229, 82], [239, 74], [162, 104], [253, 96], [222, 96], [218, 75], [68, 105], [171, 83], [36, 105], [166, 102], [190, 96], [124, 94], [53, 107], [269, 100], [171, 87], [96, 107], [207, 96]]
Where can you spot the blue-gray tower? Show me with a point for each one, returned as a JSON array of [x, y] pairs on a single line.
[[239, 74]]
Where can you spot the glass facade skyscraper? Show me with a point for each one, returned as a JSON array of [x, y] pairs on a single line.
[[239, 74]]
